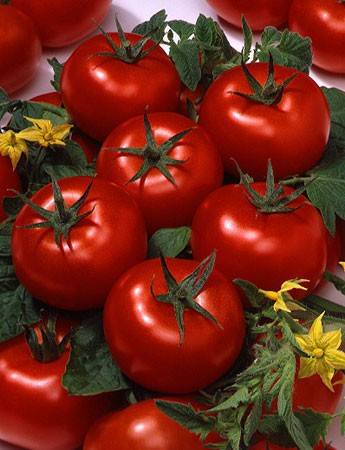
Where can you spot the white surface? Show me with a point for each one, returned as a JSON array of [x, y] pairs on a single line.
[[132, 12]]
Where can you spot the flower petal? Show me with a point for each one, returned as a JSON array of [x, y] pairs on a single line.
[[335, 359], [293, 284], [62, 131], [305, 343], [272, 295], [326, 373], [316, 331], [331, 340], [30, 134], [307, 367], [280, 304]]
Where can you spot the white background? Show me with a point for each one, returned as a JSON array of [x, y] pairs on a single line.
[[132, 12]]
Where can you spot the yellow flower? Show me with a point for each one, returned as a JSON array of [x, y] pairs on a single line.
[[12, 145], [324, 358], [45, 133], [342, 264], [280, 297]]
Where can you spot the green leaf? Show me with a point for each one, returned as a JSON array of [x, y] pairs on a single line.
[[287, 48], [155, 27], [253, 420], [315, 425], [169, 242], [37, 110], [205, 30], [338, 283], [240, 397], [4, 103], [8, 280], [248, 39], [91, 369], [17, 309], [183, 29], [256, 298], [320, 304], [57, 68], [336, 101], [185, 415], [185, 55], [342, 424]]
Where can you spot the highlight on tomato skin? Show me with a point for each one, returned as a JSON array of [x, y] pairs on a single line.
[[36, 412], [144, 337], [258, 14], [64, 22], [20, 49]]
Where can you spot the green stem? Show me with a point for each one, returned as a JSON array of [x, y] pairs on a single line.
[[295, 180]]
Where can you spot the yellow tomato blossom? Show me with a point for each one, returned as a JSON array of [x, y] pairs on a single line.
[[280, 297], [13, 146], [324, 356], [342, 264], [45, 133]]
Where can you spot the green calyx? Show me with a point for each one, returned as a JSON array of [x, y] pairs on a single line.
[[49, 349], [182, 295], [63, 218], [155, 155], [274, 200], [126, 51], [270, 93]]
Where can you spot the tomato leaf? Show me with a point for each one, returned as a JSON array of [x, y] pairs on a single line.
[[5, 102], [169, 242], [336, 101], [57, 69], [185, 55], [342, 423], [256, 298], [183, 29], [188, 417], [253, 420], [17, 309], [154, 27], [91, 369], [287, 48], [338, 283], [241, 396]]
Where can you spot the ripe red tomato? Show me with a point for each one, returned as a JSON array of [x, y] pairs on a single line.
[[143, 334], [266, 249], [320, 19], [258, 14], [141, 426], [36, 412], [8, 180], [100, 92], [20, 49], [158, 197], [79, 273], [251, 132], [63, 22], [88, 145]]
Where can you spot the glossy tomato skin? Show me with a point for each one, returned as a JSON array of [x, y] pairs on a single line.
[[79, 274], [141, 426], [266, 249], [258, 14], [143, 336], [102, 92], [63, 22], [158, 198], [89, 146], [319, 20], [36, 412], [20, 49], [8, 180], [251, 133]]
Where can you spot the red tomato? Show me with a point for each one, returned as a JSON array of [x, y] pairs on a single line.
[[79, 273], [251, 132], [258, 14], [63, 22], [334, 250], [320, 19], [36, 412], [266, 249], [143, 334], [89, 146], [265, 445], [20, 49], [140, 427], [8, 180], [158, 197], [100, 92]]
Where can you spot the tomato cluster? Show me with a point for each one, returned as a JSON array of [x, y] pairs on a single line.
[[173, 325]]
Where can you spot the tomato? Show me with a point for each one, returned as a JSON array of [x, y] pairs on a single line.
[[20, 49], [258, 14], [79, 273], [334, 250], [320, 19], [141, 426], [36, 412], [100, 92], [89, 146], [63, 22], [252, 132], [8, 180], [143, 334], [158, 197], [265, 445], [264, 248]]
